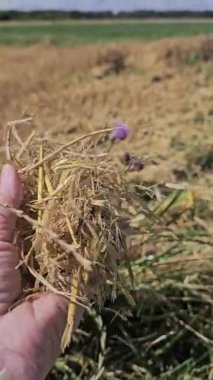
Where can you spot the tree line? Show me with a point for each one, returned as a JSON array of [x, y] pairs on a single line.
[[76, 15]]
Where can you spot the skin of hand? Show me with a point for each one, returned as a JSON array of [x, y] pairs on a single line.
[[30, 334]]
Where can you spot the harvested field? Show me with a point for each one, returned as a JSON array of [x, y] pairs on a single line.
[[166, 100], [164, 91]]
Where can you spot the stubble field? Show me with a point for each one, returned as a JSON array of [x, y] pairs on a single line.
[[164, 91]]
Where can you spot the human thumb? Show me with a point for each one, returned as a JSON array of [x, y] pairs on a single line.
[[11, 193]]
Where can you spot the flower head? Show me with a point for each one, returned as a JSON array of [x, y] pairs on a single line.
[[133, 163], [120, 131]]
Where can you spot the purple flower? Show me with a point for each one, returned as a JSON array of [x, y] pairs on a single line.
[[120, 131]]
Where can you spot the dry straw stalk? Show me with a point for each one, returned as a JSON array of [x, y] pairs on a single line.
[[69, 227]]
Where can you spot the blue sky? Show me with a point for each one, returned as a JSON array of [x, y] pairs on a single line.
[[114, 5]]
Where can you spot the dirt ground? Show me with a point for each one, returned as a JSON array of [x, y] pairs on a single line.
[[165, 94]]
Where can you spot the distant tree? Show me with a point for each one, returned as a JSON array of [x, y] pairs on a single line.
[[77, 15]]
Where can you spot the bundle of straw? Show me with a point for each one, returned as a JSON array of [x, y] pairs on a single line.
[[69, 228]]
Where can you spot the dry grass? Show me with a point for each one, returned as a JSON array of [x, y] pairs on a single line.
[[168, 106], [70, 228], [58, 86]]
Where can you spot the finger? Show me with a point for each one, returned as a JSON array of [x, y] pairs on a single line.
[[10, 193], [10, 279], [32, 335], [51, 313]]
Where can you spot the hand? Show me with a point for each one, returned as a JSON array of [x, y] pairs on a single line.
[[30, 334]]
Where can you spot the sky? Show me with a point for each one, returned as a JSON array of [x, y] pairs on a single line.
[[101, 5]]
